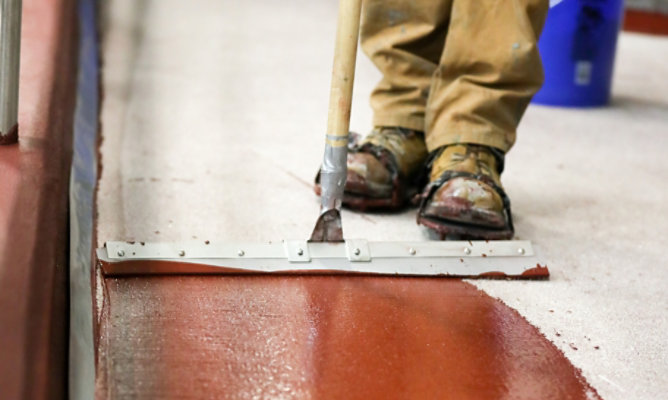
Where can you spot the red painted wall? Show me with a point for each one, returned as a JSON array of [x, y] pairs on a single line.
[[34, 180]]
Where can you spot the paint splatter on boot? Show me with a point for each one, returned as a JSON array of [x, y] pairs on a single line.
[[382, 169], [464, 198]]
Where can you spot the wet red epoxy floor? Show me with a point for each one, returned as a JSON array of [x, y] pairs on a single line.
[[322, 337]]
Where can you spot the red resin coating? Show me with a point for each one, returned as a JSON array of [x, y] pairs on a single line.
[[141, 267], [319, 337]]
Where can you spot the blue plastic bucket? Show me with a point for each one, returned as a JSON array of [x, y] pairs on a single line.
[[577, 47]]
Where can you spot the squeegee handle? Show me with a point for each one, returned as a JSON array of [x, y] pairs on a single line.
[[333, 170], [343, 72]]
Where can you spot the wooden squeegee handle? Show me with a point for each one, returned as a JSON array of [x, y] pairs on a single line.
[[343, 72], [333, 170]]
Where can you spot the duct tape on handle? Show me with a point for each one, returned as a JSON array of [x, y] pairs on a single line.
[[333, 175]]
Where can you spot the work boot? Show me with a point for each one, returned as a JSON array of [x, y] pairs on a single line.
[[464, 198], [382, 169]]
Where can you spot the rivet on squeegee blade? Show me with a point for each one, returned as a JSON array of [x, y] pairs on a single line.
[[513, 258], [326, 251]]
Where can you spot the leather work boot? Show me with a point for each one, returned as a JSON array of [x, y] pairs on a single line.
[[382, 169], [464, 198]]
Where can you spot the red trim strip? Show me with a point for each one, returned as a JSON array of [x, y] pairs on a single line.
[[646, 22]]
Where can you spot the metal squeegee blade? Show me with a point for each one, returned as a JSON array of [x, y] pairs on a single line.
[[513, 258]]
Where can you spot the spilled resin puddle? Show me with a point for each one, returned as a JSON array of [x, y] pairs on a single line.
[[322, 337]]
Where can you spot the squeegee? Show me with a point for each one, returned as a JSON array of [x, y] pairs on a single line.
[[327, 251]]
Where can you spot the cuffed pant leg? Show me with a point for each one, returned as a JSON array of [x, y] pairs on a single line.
[[489, 70], [404, 39]]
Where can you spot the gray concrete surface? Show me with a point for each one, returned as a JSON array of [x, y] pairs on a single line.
[[213, 121]]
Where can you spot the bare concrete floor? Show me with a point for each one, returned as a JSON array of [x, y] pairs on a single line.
[[213, 121]]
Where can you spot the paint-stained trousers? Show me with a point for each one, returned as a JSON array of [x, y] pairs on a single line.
[[463, 71]]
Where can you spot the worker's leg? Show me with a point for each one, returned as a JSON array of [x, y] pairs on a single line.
[[404, 39], [489, 70]]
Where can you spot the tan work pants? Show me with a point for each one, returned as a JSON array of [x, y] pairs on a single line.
[[463, 71]]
